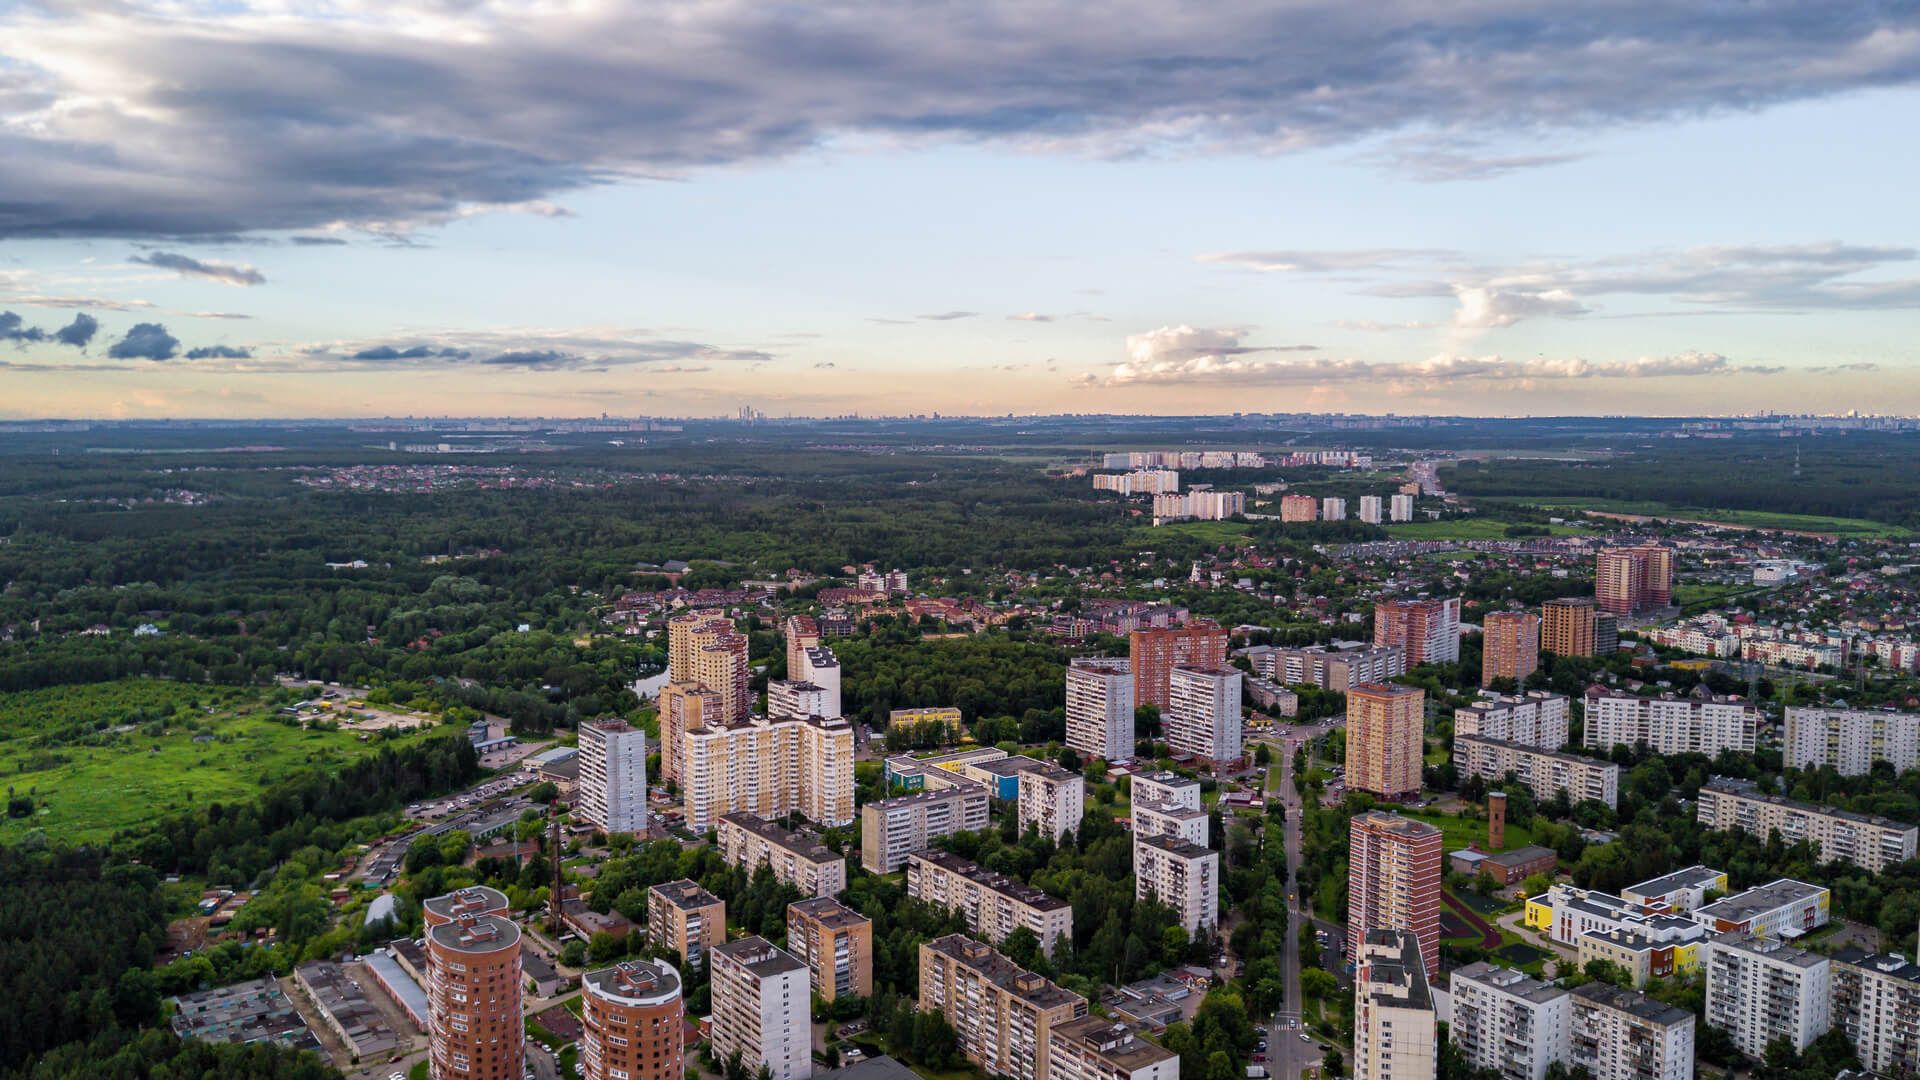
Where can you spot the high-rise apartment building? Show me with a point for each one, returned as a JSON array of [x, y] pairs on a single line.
[[474, 1022], [1370, 509], [1870, 842], [685, 919], [613, 776], [1851, 740], [1761, 989], [760, 1008], [1876, 1004], [1400, 508], [1333, 508], [1625, 1035], [684, 707], [1395, 1036], [1298, 508], [1154, 652], [1536, 718], [769, 766], [1003, 1014], [1100, 708], [1393, 880], [892, 829], [798, 699], [1628, 580], [993, 904], [1428, 629], [801, 633], [836, 944], [1606, 633], [797, 857], [1669, 724], [1510, 646], [1566, 626], [1386, 740], [1052, 800], [822, 669], [1202, 715], [633, 1023], [1508, 1021], [1183, 876], [1096, 1048], [704, 648]]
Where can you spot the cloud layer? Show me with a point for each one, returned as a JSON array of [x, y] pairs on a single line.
[[189, 267], [189, 118]]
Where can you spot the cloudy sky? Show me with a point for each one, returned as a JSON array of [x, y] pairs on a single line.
[[568, 207]]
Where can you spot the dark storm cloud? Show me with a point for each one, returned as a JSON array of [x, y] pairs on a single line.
[[150, 120], [146, 341], [78, 332], [14, 328]]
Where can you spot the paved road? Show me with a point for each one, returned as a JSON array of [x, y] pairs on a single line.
[[1287, 1053]]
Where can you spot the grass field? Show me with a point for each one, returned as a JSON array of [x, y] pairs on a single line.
[[1751, 519], [1459, 832], [1212, 532], [1472, 528], [99, 757]]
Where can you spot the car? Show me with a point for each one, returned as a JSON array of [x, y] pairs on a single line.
[[397, 1076], [1304, 1037], [1259, 1058], [1262, 1045]]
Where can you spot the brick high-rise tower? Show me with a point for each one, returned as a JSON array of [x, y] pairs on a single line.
[[1509, 646], [1154, 653], [1393, 881]]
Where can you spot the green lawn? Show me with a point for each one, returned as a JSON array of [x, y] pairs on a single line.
[[1471, 528], [1753, 519], [1212, 532], [1459, 832], [100, 757]]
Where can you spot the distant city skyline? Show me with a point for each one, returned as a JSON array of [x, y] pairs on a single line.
[[245, 209]]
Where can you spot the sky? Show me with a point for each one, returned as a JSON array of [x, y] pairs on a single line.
[[268, 208]]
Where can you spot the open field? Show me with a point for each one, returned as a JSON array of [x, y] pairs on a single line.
[[1212, 532], [1738, 519], [1459, 832], [100, 757], [1467, 529]]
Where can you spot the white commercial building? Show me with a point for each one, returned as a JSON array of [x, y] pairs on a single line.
[[1370, 509], [1625, 1035], [1100, 708], [1761, 989], [1203, 713], [1052, 800], [1536, 718], [1851, 740], [1670, 725], [761, 1000], [1785, 908], [1183, 876], [1508, 1021], [1395, 1034], [613, 776]]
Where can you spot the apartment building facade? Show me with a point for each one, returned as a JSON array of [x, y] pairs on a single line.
[[1153, 653], [1669, 724], [769, 766], [760, 1008], [1761, 989], [704, 648], [1536, 718], [1508, 1021], [1395, 1034], [685, 919], [1876, 1003], [1100, 708], [1621, 1034], [632, 1023], [1331, 669], [1386, 742], [1545, 772], [1052, 800], [1566, 626], [1202, 716], [474, 997], [1394, 870], [1096, 1048], [1003, 1014], [892, 829], [836, 944], [1183, 876], [613, 776], [993, 904], [1850, 740], [801, 633], [1872, 843], [1428, 629], [1510, 646], [797, 857], [1629, 580]]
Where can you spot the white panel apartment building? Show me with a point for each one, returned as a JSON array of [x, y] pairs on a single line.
[[798, 858], [1333, 508], [1871, 843], [1670, 725], [613, 776], [1624, 1035], [761, 999], [1545, 772], [1536, 718], [1370, 509], [1876, 1002], [1851, 740], [1331, 669], [1096, 1048], [823, 671], [1395, 1036], [1052, 800], [1203, 713], [1100, 708], [1508, 1021], [993, 904], [1168, 804], [1183, 876], [892, 829], [1400, 508], [1760, 989]]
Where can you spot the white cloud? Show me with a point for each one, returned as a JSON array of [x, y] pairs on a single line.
[[1484, 307]]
